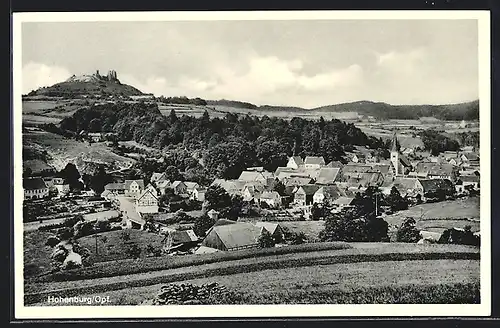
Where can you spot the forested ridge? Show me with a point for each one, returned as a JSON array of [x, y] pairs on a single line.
[[230, 144]]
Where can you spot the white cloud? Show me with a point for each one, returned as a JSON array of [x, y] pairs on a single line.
[[406, 62], [264, 81], [36, 75]]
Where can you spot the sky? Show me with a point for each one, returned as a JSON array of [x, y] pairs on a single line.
[[306, 63]]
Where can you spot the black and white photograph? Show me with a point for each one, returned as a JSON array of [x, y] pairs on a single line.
[[256, 164]]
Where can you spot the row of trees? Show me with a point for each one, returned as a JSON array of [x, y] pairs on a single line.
[[229, 144], [437, 143]]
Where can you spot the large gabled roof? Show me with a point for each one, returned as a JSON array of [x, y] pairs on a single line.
[[309, 189], [430, 185], [237, 235], [327, 175], [318, 160], [34, 184]]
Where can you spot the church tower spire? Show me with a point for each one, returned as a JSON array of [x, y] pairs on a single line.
[[395, 155]]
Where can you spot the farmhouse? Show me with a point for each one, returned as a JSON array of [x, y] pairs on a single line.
[[95, 136], [283, 169], [432, 188], [116, 188], [232, 187], [191, 186], [147, 202], [271, 198], [297, 181], [252, 191], [158, 177], [358, 158], [162, 186], [327, 194], [342, 202], [327, 176], [198, 194], [304, 195], [35, 188], [364, 180], [314, 162], [182, 240], [470, 180], [436, 171], [179, 187], [133, 188], [407, 186], [335, 164], [238, 235], [295, 162]]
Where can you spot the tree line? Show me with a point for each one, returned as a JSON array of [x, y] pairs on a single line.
[[229, 144]]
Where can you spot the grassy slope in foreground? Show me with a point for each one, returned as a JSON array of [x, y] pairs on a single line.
[[456, 281], [442, 215], [36, 292]]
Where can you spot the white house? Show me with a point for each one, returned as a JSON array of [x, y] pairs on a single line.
[[158, 177], [314, 162], [199, 194], [327, 194], [295, 162], [147, 202], [35, 188], [62, 188], [191, 186], [133, 188], [271, 198]]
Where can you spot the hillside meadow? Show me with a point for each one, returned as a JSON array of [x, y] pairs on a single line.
[[437, 217]]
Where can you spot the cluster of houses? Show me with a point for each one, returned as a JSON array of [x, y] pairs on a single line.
[[40, 188], [147, 197], [311, 180]]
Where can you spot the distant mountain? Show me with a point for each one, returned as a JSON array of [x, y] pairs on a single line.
[[380, 110], [90, 85], [231, 103]]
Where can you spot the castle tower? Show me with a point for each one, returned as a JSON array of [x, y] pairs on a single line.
[[395, 155]]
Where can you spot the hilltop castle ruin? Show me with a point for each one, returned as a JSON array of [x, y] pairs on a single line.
[[110, 77]]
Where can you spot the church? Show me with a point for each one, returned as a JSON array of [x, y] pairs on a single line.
[[400, 164]]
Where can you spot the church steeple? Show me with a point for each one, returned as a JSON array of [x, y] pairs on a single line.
[[394, 147], [395, 155]]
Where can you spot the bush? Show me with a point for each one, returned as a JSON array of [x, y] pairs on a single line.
[[134, 251], [102, 226], [125, 235], [266, 240], [298, 238], [65, 233], [407, 232], [83, 228], [71, 221], [52, 241]]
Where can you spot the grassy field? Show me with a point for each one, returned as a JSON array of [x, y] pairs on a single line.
[[36, 255], [333, 283], [440, 216], [186, 270], [63, 151], [113, 246], [310, 228]]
